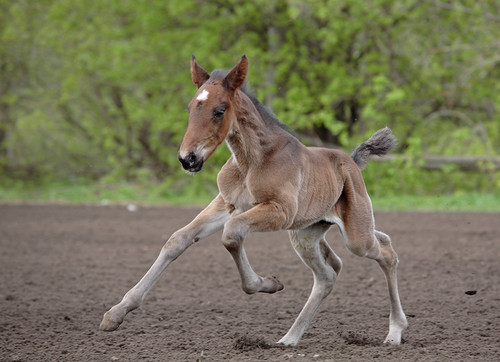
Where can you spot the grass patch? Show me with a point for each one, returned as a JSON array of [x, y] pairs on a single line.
[[94, 192], [88, 192], [459, 202]]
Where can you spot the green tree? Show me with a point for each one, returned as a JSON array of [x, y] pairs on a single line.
[[99, 89]]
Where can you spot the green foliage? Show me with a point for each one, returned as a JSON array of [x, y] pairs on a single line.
[[403, 177], [98, 90]]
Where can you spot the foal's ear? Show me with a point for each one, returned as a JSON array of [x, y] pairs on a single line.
[[198, 74], [236, 77]]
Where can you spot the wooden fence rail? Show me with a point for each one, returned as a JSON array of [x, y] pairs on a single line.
[[431, 162], [437, 163]]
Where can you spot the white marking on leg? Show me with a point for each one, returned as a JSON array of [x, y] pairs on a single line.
[[203, 96]]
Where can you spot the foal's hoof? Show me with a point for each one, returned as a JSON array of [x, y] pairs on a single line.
[[279, 285], [393, 340], [396, 331], [107, 324], [285, 341]]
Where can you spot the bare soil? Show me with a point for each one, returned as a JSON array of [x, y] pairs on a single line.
[[62, 267]]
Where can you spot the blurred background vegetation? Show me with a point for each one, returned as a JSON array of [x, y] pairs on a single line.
[[93, 94]]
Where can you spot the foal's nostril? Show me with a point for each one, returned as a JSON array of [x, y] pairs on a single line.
[[191, 162], [191, 159]]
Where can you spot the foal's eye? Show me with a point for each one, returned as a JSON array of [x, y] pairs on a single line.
[[219, 114]]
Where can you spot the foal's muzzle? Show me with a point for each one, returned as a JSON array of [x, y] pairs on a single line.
[[191, 162]]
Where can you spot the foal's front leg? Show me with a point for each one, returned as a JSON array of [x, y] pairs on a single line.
[[263, 217], [209, 221]]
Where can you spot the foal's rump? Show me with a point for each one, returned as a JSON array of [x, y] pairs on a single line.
[[353, 211]]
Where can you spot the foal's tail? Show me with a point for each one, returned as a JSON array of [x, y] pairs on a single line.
[[379, 144]]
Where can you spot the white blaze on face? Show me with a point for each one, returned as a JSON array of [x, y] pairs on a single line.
[[203, 96]]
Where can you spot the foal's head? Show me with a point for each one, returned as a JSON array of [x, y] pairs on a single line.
[[211, 113]]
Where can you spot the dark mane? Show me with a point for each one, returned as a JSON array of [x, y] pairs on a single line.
[[269, 118]]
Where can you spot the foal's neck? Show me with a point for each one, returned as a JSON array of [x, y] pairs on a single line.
[[250, 139]]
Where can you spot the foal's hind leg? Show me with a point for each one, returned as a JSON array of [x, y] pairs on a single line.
[[388, 261], [313, 250], [362, 240]]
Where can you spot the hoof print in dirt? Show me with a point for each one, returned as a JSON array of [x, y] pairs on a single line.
[[247, 343], [359, 339]]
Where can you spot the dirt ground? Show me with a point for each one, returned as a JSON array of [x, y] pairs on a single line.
[[62, 267]]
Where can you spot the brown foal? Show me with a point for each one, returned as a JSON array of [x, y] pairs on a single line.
[[273, 182]]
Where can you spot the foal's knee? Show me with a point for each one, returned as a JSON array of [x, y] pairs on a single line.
[[176, 244], [231, 240], [233, 235], [231, 244]]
